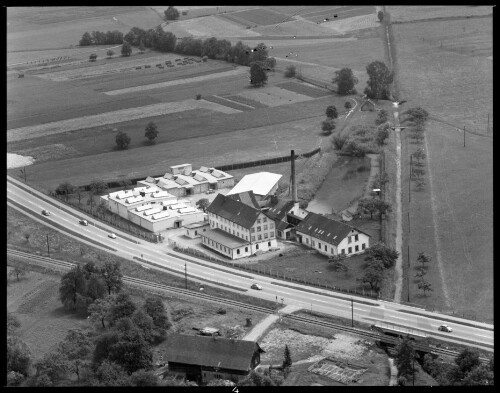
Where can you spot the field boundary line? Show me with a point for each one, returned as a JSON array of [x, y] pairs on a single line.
[[438, 120]]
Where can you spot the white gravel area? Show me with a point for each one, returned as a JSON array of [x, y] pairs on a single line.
[[16, 160]]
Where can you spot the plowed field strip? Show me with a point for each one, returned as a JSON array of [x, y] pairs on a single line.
[[304, 89], [246, 101], [113, 117], [229, 103], [160, 85]]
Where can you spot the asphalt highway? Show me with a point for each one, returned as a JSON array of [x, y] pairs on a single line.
[[328, 302]]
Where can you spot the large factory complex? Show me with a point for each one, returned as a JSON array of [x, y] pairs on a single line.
[[242, 219]]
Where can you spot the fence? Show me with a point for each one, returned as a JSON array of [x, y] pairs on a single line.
[[279, 275]]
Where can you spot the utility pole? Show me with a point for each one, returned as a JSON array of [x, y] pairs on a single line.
[[409, 228], [464, 136], [411, 165], [408, 274], [185, 276], [48, 250], [352, 313], [409, 189]]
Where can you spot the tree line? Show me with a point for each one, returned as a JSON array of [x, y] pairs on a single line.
[[102, 38]]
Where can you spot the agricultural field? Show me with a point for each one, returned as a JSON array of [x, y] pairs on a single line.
[[447, 69], [416, 13], [208, 26], [34, 28], [257, 16]]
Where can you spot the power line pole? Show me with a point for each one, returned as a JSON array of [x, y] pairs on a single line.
[[411, 165], [48, 249], [464, 136], [352, 313], [409, 228], [409, 190], [185, 276], [408, 274]]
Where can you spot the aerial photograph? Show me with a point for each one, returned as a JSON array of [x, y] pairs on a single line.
[[249, 196]]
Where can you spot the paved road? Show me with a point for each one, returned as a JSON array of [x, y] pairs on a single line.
[[293, 294]]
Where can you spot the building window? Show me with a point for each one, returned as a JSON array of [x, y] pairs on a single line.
[[265, 235], [258, 220], [265, 227], [238, 251], [312, 242], [258, 229], [363, 246], [342, 251], [264, 219], [280, 234], [356, 248], [256, 246], [269, 244], [271, 226], [348, 239], [246, 249], [238, 234], [307, 240], [225, 228], [246, 237], [252, 230], [349, 250], [356, 238], [319, 245], [271, 234], [332, 250], [253, 238], [325, 248], [259, 237]]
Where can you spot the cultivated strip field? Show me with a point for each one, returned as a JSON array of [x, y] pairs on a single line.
[[299, 27], [274, 96], [208, 26], [236, 71], [411, 13], [304, 88], [258, 16], [113, 117]]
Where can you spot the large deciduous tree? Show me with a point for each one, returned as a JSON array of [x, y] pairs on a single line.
[[100, 310], [327, 126], [405, 357], [18, 356], [345, 81], [86, 39], [122, 307], [72, 288], [258, 76], [382, 253], [151, 132], [380, 79], [203, 203], [65, 188], [171, 13], [122, 140], [76, 347], [126, 49], [112, 275], [331, 112]]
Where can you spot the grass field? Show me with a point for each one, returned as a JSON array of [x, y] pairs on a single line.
[[411, 13], [258, 16], [454, 81]]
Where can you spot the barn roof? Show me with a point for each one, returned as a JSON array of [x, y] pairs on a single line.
[[211, 351], [279, 210], [234, 211], [247, 197], [260, 183]]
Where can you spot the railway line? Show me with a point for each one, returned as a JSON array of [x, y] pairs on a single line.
[[152, 286]]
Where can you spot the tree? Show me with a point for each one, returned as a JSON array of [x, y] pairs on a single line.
[[479, 375], [145, 323], [421, 272], [347, 105], [382, 117], [122, 307], [382, 206], [98, 186], [420, 183], [382, 253], [419, 154], [151, 131], [112, 275], [122, 140], [18, 271], [374, 274], [367, 204], [379, 81], [287, 359], [12, 323], [467, 360], [86, 39], [54, 365], [418, 172], [142, 48], [382, 135], [331, 112], [111, 374], [345, 81], [93, 57], [76, 347], [14, 378], [338, 263], [18, 356], [417, 115], [339, 141], [405, 358], [72, 288], [327, 126], [171, 13], [423, 258], [103, 344], [380, 15], [424, 286], [290, 71], [96, 289], [203, 203], [65, 188], [100, 310], [144, 378], [131, 351], [258, 76], [110, 53], [126, 49]]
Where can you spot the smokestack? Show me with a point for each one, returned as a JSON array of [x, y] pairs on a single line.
[[294, 185]]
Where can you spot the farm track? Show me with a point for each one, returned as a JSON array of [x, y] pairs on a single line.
[[166, 288]]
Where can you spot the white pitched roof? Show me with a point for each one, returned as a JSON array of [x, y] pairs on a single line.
[[260, 183], [154, 210]]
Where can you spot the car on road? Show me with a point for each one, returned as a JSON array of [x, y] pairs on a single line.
[[45, 212], [84, 222], [112, 236], [256, 286], [445, 328], [211, 191]]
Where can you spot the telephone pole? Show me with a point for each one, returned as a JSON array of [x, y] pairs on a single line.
[[352, 313], [48, 250], [408, 274], [464, 136], [411, 165], [185, 276]]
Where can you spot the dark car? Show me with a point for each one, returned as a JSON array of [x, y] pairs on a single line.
[[45, 212], [445, 328], [256, 286]]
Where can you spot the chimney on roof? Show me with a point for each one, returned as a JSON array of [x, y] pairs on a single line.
[[294, 184]]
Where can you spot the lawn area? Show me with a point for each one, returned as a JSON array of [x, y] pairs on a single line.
[[444, 67]]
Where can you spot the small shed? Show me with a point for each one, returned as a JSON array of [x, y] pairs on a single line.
[[194, 230], [346, 215]]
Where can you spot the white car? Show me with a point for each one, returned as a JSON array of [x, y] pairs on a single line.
[[112, 236], [84, 222], [445, 328], [256, 286]]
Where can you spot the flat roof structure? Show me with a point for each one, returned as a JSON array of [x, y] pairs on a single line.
[[130, 198], [260, 183], [224, 238]]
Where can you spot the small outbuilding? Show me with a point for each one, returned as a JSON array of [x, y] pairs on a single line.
[[194, 231]]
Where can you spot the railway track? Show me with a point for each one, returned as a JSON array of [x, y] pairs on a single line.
[[37, 259]]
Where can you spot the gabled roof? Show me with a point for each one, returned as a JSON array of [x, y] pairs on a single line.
[[247, 197], [234, 211], [326, 229], [278, 212], [211, 351], [260, 183]]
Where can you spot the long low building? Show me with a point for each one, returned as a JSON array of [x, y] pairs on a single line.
[[181, 180]]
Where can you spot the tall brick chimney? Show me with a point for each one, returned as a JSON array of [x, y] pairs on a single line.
[[294, 184]]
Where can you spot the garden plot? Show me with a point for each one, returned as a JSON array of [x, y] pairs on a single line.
[[90, 72], [337, 371], [114, 117], [274, 96], [208, 26], [236, 71]]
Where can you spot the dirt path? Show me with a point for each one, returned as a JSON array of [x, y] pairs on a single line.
[[398, 268], [262, 326], [394, 373]]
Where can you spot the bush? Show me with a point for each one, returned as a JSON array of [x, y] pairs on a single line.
[[291, 71], [221, 311], [339, 142], [327, 126], [122, 140], [354, 149], [198, 96], [382, 117], [204, 58]]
